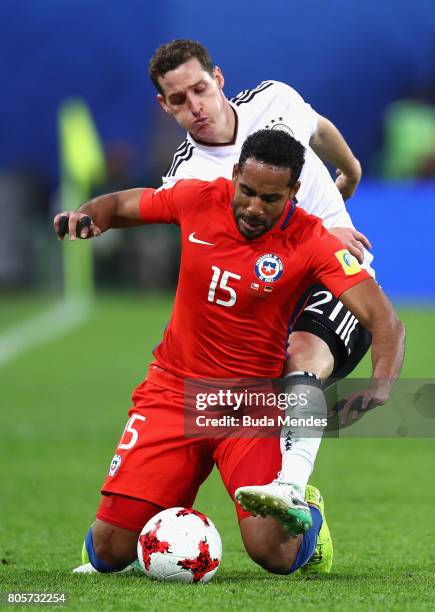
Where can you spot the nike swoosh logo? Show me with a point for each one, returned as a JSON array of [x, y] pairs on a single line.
[[193, 239]]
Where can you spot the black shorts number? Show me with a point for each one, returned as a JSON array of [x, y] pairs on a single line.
[[326, 317]]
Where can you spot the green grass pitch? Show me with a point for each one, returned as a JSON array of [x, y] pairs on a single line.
[[63, 407]]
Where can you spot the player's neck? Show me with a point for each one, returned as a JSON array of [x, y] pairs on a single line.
[[226, 134]]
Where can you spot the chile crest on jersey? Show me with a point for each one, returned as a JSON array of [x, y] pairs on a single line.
[[269, 268]]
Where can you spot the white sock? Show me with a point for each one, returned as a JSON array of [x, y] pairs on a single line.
[[300, 442]]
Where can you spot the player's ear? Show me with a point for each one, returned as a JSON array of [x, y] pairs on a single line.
[[235, 173], [294, 189], [219, 77], [161, 101]]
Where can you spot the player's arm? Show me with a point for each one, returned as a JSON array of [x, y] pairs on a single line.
[[114, 210], [335, 268], [374, 311], [329, 144], [369, 304], [127, 209]]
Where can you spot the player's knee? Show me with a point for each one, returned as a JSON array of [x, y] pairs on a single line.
[[275, 553], [268, 544], [309, 353], [109, 548], [273, 561]]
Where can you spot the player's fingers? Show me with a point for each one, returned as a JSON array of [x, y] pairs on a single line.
[[338, 407], [72, 225], [358, 407], [352, 404], [96, 231], [356, 249], [60, 224], [344, 413], [371, 402], [90, 230], [77, 223], [84, 226], [362, 238], [367, 402]]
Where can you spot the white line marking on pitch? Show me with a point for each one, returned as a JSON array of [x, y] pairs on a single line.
[[49, 325]]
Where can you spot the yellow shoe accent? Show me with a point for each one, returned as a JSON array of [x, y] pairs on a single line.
[[85, 556], [321, 560]]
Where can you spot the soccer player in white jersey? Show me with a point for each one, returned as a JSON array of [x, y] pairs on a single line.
[[326, 340]]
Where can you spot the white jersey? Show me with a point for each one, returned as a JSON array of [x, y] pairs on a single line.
[[271, 105]]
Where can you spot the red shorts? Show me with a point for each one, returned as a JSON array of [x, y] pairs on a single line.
[[155, 462]]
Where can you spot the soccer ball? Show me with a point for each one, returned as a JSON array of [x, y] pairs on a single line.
[[180, 545]]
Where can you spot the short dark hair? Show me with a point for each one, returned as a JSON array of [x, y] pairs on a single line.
[[277, 148], [173, 54]]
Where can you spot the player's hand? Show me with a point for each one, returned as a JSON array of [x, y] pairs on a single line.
[[353, 240], [355, 405], [77, 225], [347, 183]]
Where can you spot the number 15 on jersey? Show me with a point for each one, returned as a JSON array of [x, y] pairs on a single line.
[[220, 279]]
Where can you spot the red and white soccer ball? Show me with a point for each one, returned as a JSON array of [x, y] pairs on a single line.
[[180, 545]]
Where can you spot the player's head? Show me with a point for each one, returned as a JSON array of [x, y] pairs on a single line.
[[189, 87], [266, 177]]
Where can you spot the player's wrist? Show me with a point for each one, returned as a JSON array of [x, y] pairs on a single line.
[[381, 388]]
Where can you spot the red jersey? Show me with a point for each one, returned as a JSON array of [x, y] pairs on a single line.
[[236, 298]]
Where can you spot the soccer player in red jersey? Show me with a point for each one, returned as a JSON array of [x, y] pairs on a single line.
[[326, 339], [248, 256]]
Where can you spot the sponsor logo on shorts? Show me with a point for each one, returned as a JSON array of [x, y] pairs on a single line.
[[115, 465], [348, 262], [269, 268]]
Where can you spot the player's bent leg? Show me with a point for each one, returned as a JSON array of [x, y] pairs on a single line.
[[300, 443], [283, 498], [139, 468], [246, 466], [268, 544], [309, 353], [110, 548], [111, 542], [242, 461]]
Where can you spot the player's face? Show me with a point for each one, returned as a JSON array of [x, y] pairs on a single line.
[[195, 99], [262, 192]]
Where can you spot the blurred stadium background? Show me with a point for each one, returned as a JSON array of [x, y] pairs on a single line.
[[351, 61], [78, 117]]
